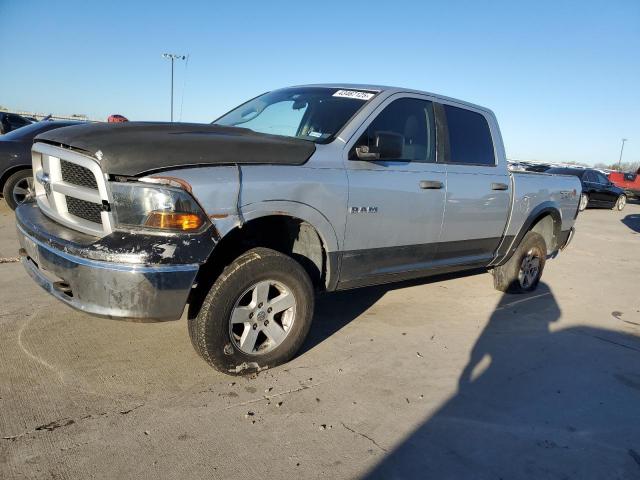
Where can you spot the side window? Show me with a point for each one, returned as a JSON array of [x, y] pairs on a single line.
[[588, 177], [469, 137], [403, 131], [601, 178], [17, 121]]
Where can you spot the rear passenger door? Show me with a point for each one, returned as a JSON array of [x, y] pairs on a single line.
[[595, 189], [478, 189], [590, 187], [607, 196], [396, 202]]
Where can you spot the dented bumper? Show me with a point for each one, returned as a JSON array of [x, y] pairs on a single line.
[[114, 289]]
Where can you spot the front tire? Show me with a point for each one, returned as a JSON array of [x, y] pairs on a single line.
[[523, 270], [620, 203], [18, 188], [256, 315]]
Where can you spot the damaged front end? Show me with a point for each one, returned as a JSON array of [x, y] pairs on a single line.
[[113, 247], [122, 275]]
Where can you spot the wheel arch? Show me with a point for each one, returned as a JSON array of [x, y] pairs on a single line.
[[545, 219], [298, 210], [299, 231]]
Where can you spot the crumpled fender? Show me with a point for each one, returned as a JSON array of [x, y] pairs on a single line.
[[289, 208]]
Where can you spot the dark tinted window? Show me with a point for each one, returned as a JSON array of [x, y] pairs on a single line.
[[16, 121], [410, 123], [589, 177], [567, 171], [469, 137], [600, 178]]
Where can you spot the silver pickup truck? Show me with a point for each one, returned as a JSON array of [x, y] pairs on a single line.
[[300, 190]]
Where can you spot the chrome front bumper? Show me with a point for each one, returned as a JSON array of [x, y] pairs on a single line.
[[568, 239], [108, 289]]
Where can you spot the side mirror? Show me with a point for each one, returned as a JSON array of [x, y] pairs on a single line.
[[364, 153], [388, 146]]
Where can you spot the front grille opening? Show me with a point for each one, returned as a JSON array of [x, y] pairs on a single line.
[[77, 175], [86, 210]]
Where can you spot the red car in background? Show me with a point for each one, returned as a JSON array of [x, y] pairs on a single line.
[[629, 182], [115, 118]]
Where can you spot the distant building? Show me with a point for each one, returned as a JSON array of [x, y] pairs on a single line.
[[40, 116]]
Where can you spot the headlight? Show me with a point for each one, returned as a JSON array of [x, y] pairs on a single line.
[[139, 204]]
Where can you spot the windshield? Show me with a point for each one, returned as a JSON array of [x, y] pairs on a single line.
[[310, 113]]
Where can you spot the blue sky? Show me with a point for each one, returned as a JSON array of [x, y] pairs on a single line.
[[563, 77]]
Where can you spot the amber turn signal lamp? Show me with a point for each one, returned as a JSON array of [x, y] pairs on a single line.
[[174, 221]]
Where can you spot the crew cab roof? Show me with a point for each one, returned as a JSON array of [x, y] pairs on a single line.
[[390, 90]]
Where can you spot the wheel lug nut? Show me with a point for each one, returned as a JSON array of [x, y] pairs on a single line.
[[255, 325], [266, 322], [269, 310], [251, 315], [259, 305]]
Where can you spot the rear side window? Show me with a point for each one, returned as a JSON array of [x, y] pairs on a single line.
[[469, 137], [600, 178]]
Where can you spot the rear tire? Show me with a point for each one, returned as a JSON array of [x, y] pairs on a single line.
[[584, 201], [620, 203], [523, 271], [241, 329], [18, 188]]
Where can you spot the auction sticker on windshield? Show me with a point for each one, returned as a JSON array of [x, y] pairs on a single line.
[[354, 94]]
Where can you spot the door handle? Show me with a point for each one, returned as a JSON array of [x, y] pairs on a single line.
[[431, 184], [499, 186]]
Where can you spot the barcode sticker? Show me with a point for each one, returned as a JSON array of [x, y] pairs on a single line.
[[354, 94]]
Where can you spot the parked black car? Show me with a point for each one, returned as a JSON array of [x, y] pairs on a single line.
[[597, 190], [16, 183], [12, 121]]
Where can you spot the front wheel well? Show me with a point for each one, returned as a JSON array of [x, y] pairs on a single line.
[[288, 235]]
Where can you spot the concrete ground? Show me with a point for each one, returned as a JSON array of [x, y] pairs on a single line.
[[433, 379]]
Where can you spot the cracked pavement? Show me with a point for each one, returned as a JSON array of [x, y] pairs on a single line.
[[446, 379]]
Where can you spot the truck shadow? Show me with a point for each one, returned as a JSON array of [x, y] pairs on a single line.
[[533, 402], [337, 309], [632, 221]]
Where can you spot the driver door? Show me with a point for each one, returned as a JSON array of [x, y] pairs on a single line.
[[396, 201]]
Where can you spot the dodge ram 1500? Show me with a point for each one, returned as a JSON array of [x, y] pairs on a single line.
[[299, 190]]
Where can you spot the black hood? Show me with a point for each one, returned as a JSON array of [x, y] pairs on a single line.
[[136, 148]]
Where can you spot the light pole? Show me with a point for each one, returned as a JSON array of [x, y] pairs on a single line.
[[621, 150], [172, 57]]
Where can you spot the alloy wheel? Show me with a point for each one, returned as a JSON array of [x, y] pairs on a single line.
[[584, 199], [262, 317], [529, 268], [23, 190]]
